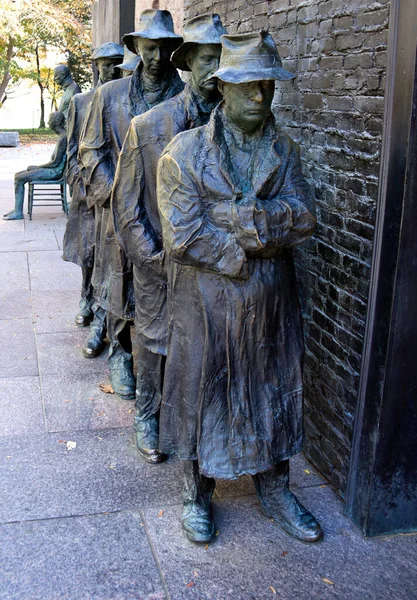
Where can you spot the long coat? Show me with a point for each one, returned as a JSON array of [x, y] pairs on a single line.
[[113, 107], [135, 208], [233, 393], [69, 92], [78, 244]]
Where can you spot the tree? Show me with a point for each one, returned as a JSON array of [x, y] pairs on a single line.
[[28, 28]]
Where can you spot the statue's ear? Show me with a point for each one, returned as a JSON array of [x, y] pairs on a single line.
[[220, 85]]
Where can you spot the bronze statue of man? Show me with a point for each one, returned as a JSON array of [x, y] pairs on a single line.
[[113, 107], [233, 202], [130, 62], [136, 218], [79, 235], [63, 78], [54, 169]]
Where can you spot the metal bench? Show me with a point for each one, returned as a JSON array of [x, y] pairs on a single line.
[[42, 193]]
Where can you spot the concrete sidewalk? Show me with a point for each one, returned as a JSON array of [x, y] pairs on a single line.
[[94, 522]]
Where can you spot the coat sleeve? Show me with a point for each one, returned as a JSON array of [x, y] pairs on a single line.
[[287, 219], [131, 223], [94, 153], [189, 237], [72, 147]]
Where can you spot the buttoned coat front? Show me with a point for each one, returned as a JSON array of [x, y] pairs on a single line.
[[113, 107], [135, 208], [233, 393], [78, 246]]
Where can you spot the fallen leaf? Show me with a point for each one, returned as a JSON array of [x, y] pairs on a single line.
[[284, 553], [62, 442], [71, 445], [307, 471], [190, 584], [130, 410], [100, 414], [273, 590], [217, 533], [78, 346], [112, 466], [196, 573], [66, 401], [99, 438], [8, 457], [206, 547], [161, 513], [106, 388], [324, 485], [327, 581]]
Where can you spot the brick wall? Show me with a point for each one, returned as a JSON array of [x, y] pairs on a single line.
[[334, 109]]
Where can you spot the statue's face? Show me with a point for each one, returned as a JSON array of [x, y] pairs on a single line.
[[107, 70], [203, 60], [155, 55], [248, 104], [59, 76]]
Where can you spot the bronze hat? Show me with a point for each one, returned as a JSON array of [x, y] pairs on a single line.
[[108, 50], [130, 61], [205, 29], [153, 25], [250, 57]]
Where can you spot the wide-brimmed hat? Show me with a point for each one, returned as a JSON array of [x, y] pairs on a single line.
[[250, 57], [205, 29], [153, 25], [108, 50], [130, 61]]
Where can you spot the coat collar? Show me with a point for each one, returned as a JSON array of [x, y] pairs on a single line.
[[198, 110], [266, 163], [171, 85]]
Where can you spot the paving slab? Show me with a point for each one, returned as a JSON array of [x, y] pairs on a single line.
[[105, 557], [17, 348], [55, 311], [14, 272], [75, 402], [252, 559], [60, 355], [20, 406], [15, 241], [49, 272], [40, 478], [15, 304]]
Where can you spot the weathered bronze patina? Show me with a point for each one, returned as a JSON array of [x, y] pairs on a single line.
[[63, 78], [78, 244], [54, 169], [233, 202], [113, 106], [130, 62], [136, 218]]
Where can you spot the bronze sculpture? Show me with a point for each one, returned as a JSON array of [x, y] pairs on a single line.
[[54, 169], [130, 62], [63, 78], [135, 212], [79, 235], [112, 108], [233, 202]]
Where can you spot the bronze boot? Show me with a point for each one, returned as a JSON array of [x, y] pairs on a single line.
[[280, 504], [197, 522], [94, 344], [147, 439], [121, 374]]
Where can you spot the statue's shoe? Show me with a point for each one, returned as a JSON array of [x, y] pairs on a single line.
[[197, 523], [121, 376], [147, 440], [13, 216], [288, 512], [84, 317], [94, 344]]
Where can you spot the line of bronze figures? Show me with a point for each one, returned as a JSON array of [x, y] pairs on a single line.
[[186, 202]]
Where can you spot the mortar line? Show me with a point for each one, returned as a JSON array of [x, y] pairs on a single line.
[[155, 557]]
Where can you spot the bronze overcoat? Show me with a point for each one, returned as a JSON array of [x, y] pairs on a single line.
[[135, 208], [113, 107], [78, 244], [233, 394]]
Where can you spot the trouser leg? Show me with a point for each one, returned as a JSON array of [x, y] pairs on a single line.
[[279, 503], [85, 315], [198, 489], [120, 357], [149, 383], [19, 196], [94, 344]]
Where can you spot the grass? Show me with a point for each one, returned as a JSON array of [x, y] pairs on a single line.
[[35, 136]]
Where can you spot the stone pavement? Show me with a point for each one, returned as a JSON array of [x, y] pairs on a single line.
[[94, 522]]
